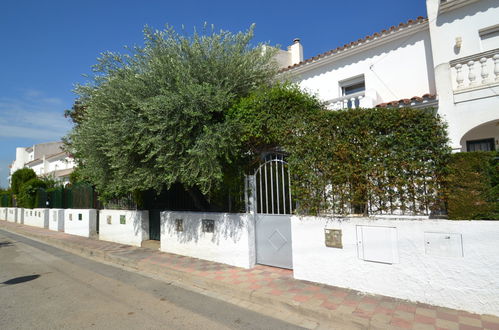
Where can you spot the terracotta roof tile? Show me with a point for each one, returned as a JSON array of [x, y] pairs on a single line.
[[417, 99], [375, 35]]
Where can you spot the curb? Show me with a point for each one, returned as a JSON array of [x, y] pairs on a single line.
[[334, 319]]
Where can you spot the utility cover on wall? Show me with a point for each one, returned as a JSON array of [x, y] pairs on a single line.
[[378, 244], [333, 238], [443, 244]]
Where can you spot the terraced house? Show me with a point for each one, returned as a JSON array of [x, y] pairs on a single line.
[[449, 61]]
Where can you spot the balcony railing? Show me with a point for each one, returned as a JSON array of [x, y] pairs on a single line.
[[475, 71], [364, 99]]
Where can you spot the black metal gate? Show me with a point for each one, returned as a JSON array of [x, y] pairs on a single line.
[[155, 224]]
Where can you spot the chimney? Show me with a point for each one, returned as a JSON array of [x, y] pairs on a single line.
[[296, 50]]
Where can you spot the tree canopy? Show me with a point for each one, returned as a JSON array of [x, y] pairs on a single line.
[[156, 115]]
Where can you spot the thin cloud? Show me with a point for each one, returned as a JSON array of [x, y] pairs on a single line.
[[34, 116]]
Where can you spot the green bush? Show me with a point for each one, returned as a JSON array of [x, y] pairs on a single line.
[[28, 196], [20, 177], [368, 161], [5, 198], [472, 186]]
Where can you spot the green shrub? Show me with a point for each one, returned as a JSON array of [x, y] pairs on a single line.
[[28, 196], [5, 198], [368, 161], [472, 186], [20, 177]]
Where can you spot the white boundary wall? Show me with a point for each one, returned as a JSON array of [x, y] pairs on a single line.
[[80, 222], [36, 217], [15, 214], [232, 242], [448, 263], [3, 213], [56, 219], [124, 226]]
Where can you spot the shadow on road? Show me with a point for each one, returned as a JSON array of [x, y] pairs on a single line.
[[6, 243], [21, 279]]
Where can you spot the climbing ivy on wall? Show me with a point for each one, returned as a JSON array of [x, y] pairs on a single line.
[[471, 189], [368, 161]]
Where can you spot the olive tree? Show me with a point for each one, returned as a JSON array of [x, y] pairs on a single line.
[[156, 114]]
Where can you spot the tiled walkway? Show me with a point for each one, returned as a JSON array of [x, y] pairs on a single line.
[[273, 286]]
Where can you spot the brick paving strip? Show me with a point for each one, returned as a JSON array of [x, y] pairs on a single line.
[[269, 287]]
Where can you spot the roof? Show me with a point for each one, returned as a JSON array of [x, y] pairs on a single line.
[[415, 100], [352, 44]]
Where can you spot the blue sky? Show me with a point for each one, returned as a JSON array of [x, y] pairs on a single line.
[[46, 46]]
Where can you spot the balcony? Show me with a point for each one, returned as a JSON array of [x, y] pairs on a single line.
[[475, 72], [363, 99]]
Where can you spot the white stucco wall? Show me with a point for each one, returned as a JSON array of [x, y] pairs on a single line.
[[15, 214], [401, 68], [232, 242], [56, 219], [36, 217], [469, 281], [3, 213], [85, 227], [463, 111], [132, 232]]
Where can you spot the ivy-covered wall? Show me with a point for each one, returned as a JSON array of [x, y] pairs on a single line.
[[472, 186], [368, 161]]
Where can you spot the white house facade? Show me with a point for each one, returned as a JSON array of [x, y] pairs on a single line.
[[46, 159], [449, 61]]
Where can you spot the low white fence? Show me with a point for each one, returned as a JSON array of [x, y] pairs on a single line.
[[80, 222], [441, 262], [36, 217], [126, 227], [56, 219], [221, 237], [15, 214]]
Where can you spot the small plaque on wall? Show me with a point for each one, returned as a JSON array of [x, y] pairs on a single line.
[[333, 238], [208, 226]]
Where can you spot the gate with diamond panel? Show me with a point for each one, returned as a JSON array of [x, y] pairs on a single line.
[[272, 198]]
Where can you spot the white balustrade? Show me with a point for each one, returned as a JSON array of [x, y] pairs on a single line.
[[465, 71], [347, 101]]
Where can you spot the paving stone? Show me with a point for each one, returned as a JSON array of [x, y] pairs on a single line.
[[445, 324], [470, 321], [403, 315], [426, 312], [401, 323]]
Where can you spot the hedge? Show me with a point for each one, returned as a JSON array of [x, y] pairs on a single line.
[[368, 161], [472, 186]]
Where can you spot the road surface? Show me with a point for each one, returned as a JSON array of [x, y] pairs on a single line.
[[42, 287]]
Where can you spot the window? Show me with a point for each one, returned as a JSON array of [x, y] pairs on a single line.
[[353, 87], [489, 37], [109, 220], [80, 216], [480, 145], [122, 219]]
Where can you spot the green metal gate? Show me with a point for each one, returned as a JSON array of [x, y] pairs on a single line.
[[155, 224]]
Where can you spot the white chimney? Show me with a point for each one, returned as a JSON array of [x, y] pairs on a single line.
[[296, 50]]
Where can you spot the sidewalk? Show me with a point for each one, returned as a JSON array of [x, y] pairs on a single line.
[[269, 287]]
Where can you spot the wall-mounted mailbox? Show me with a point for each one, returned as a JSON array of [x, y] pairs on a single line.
[[179, 225], [378, 244], [333, 238], [443, 244], [208, 226]]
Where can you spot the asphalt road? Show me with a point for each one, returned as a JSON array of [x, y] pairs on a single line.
[[42, 287]]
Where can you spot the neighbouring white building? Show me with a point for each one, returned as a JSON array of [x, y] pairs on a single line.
[[449, 60], [46, 159]]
